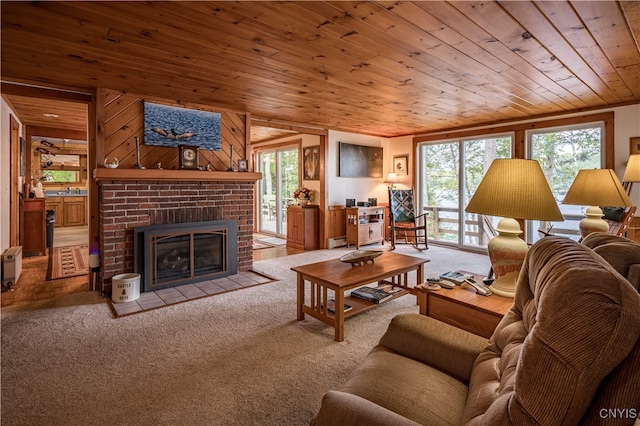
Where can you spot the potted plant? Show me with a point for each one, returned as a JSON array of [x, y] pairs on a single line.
[[303, 195]]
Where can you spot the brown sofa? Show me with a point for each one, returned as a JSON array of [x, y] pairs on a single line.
[[568, 352]]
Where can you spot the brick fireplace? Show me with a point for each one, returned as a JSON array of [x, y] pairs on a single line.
[[126, 204]]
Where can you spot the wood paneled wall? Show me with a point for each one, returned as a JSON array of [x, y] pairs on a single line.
[[121, 118]]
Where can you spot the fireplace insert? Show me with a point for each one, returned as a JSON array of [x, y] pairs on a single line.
[[176, 254]]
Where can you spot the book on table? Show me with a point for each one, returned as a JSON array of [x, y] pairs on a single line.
[[375, 295], [331, 306], [457, 277]]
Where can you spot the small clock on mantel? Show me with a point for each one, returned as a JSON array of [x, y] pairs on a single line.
[[188, 157]]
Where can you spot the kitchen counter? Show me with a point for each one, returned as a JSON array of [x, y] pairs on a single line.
[[50, 194]]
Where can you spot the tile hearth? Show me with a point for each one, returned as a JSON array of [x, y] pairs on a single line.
[[173, 295]]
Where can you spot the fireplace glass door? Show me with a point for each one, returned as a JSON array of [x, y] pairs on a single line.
[[187, 256]]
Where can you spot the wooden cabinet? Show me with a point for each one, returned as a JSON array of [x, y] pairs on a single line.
[[75, 212], [55, 204], [33, 228], [70, 211], [463, 308], [303, 227], [365, 225]]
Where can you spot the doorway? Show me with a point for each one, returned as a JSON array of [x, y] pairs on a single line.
[[280, 178]]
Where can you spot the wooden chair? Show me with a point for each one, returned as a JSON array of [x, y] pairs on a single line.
[[619, 228], [403, 221]]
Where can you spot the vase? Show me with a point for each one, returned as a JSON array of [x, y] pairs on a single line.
[[304, 202]]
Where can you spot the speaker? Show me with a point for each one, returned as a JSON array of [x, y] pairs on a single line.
[[373, 202], [351, 202]]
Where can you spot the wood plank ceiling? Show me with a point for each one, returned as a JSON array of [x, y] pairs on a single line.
[[379, 68]]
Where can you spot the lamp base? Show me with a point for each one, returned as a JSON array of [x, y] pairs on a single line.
[[593, 222], [507, 252]]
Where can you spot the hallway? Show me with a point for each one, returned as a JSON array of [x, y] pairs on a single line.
[[33, 286]]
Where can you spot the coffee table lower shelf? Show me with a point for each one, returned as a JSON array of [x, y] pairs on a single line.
[[357, 306]]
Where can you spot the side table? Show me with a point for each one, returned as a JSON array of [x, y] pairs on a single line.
[[463, 308]]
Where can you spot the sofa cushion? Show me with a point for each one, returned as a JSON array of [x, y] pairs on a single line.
[[406, 387], [574, 319], [347, 409], [621, 253]]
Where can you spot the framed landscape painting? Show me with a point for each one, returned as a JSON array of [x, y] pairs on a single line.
[[359, 160], [174, 126]]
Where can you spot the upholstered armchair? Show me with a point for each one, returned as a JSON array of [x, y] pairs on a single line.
[[566, 353], [404, 223]]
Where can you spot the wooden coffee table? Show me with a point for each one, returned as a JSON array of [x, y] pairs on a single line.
[[332, 278]]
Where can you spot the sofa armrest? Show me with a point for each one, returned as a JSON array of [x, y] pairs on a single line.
[[345, 409], [435, 343]]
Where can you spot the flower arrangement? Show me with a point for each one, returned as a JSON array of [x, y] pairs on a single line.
[[303, 194]]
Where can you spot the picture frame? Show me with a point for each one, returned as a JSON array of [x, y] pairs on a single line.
[[243, 166], [311, 162], [359, 160], [172, 126], [400, 165], [634, 145]]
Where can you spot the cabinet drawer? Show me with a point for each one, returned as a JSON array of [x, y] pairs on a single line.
[[74, 199], [462, 316]]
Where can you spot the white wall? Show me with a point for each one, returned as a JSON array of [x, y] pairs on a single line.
[[341, 188], [627, 125], [5, 177]]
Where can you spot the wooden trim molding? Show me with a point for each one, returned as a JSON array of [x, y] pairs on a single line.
[[105, 174]]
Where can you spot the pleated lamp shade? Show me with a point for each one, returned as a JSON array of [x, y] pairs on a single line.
[[597, 187], [632, 172], [515, 188]]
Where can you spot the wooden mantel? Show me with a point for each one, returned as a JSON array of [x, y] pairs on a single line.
[[138, 175]]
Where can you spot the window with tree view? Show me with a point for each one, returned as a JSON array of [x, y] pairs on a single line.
[[562, 152], [449, 174]]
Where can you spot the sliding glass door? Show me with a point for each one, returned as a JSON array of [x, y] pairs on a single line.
[[449, 172], [279, 167]]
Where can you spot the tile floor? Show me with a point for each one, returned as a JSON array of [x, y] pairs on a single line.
[[172, 295]]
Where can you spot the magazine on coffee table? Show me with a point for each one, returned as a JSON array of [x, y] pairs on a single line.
[[374, 295], [331, 306]]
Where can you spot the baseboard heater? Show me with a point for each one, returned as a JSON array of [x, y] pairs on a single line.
[[11, 266], [336, 242]]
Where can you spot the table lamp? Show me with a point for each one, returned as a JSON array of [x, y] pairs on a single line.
[[631, 173], [392, 179], [595, 188], [514, 189]]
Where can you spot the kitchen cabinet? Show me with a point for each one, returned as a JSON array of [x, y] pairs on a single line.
[[303, 227], [55, 204], [70, 210]]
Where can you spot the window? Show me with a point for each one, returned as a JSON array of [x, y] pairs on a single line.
[[561, 145], [562, 152], [449, 174], [60, 168]]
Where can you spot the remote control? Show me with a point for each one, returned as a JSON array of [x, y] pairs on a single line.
[[480, 288], [443, 283]]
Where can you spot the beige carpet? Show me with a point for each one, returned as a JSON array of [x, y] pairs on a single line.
[[65, 262], [237, 358]]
